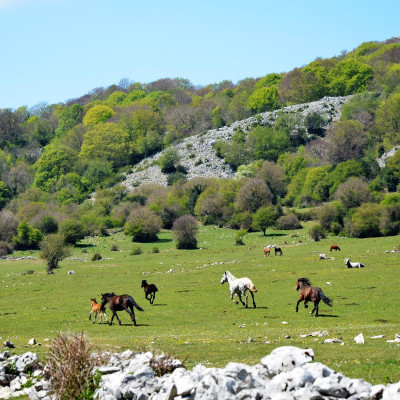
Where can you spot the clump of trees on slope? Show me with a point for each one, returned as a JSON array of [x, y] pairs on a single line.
[[53, 157]]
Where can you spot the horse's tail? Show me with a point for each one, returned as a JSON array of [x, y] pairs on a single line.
[[136, 305], [251, 287], [324, 298]]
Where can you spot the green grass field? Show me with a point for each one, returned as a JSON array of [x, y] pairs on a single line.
[[193, 316]]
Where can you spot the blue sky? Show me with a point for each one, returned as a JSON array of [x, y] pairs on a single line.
[[55, 50]]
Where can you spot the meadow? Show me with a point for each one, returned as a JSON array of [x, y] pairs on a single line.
[[193, 317]]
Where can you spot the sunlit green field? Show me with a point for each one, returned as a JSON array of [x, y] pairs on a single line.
[[193, 317]]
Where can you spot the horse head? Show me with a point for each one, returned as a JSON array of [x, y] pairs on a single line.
[[144, 284], [224, 277], [302, 282]]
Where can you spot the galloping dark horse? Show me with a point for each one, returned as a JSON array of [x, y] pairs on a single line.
[[311, 293], [119, 303], [149, 291]]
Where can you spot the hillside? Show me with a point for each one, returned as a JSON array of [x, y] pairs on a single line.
[[199, 148]]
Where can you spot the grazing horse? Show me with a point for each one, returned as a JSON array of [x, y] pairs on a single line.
[[278, 250], [98, 310], [267, 251], [334, 247], [353, 264], [311, 293], [149, 291], [239, 287], [119, 303]]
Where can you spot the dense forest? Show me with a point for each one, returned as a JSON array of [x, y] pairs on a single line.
[[54, 157]]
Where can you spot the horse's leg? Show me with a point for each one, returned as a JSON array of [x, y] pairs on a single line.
[[246, 297], [235, 301], [105, 315], [131, 313], [252, 296], [305, 304], [99, 313], [240, 298], [152, 296], [90, 315], [298, 302]]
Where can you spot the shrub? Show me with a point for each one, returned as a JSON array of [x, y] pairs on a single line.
[[164, 364], [155, 249], [287, 222], [143, 225], [97, 257], [168, 161], [317, 232], [70, 366], [72, 230], [185, 229], [114, 247], [30, 271], [239, 237], [27, 237], [5, 248], [137, 250]]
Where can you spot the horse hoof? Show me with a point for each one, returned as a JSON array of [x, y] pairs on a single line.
[[305, 306]]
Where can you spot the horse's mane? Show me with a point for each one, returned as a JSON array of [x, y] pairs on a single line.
[[230, 274], [305, 281]]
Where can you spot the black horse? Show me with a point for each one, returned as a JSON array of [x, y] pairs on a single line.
[[149, 291], [119, 303]]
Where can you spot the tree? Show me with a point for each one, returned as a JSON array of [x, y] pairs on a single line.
[[317, 232], [143, 225], [5, 194], [53, 250], [349, 77], [388, 119], [68, 118], [274, 176], [169, 160], [365, 221], [253, 195], [98, 114], [27, 237], [8, 226], [19, 178], [264, 218], [55, 161], [353, 193], [185, 229], [107, 142], [72, 231], [347, 141], [264, 99]]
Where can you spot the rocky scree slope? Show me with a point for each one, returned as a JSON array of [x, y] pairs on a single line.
[[199, 147]]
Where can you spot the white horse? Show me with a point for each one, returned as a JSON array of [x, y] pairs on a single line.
[[353, 264], [239, 287]]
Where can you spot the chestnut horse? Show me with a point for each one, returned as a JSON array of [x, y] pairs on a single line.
[[119, 303], [149, 291], [311, 293], [96, 308], [334, 247], [267, 251]]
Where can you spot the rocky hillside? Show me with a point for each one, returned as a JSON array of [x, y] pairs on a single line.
[[198, 156]]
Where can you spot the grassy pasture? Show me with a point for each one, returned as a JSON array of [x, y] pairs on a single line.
[[193, 316]]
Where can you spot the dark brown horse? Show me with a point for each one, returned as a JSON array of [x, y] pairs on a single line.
[[149, 291], [278, 250], [119, 303], [311, 293]]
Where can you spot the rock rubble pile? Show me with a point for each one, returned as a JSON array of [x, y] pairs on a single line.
[[285, 374], [196, 152]]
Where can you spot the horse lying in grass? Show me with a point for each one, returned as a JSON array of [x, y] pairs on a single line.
[[119, 303], [97, 310], [353, 264], [149, 291], [311, 293], [239, 287]]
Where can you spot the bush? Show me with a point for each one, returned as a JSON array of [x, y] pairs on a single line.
[[5, 248], [143, 225], [97, 257], [155, 249], [136, 251], [239, 237], [317, 232], [114, 247], [72, 230], [70, 366], [185, 229], [287, 222], [168, 160]]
